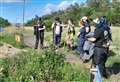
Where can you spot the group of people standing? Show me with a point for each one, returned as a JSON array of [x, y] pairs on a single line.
[[98, 38]]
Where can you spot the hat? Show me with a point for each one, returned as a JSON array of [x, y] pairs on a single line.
[[84, 18], [96, 21]]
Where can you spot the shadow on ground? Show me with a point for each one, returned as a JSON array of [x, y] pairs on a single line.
[[114, 69], [111, 53]]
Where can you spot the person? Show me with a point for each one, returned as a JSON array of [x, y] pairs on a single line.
[[57, 31], [81, 38], [104, 25], [39, 33], [100, 52], [86, 21], [70, 34]]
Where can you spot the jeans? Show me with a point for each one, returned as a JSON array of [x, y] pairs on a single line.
[[57, 39], [80, 45]]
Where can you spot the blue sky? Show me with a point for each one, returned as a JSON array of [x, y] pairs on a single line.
[[12, 9]]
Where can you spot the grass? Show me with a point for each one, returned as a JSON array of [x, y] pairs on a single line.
[[41, 65], [10, 39], [113, 61]]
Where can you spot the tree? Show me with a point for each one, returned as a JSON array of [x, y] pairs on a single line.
[[4, 22], [99, 4], [93, 8]]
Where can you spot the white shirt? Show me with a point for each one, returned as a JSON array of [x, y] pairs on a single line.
[[57, 29]]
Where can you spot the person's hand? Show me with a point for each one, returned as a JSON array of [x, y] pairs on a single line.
[[78, 34]]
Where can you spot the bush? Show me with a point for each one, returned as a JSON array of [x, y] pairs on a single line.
[[33, 67], [48, 24], [43, 66]]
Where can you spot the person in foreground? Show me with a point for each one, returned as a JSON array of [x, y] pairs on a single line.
[[100, 52]]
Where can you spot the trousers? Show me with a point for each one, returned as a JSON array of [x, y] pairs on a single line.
[[100, 58], [39, 38]]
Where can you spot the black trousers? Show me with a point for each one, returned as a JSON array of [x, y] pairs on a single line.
[[39, 37], [100, 58]]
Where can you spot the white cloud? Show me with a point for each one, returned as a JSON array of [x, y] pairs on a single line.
[[10, 1], [62, 6]]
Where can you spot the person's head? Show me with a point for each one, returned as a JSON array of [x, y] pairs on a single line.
[[84, 19], [103, 19], [81, 23], [57, 19], [70, 21], [39, 20]]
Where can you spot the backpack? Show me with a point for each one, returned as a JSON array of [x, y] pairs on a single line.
[[107, 31], [88, 48]]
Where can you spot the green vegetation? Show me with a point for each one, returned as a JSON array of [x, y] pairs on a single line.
[[43, 66], [47, 65], [10, 39], [4, 22], [92, 8], [50, 66]]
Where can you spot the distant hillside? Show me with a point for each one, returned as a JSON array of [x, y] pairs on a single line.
[[4, 22], [92, 8]]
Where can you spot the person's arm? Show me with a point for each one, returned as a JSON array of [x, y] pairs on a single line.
[[87, 29], [42, 28], [92, 39], [63, 25], [96, 36], [78, 34], [68, 26]]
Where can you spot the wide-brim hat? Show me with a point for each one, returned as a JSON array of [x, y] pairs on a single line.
[[84, 18]]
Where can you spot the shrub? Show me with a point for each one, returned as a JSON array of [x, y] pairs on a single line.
[[4, 22], [43, 66], [34, 67], [48, 24]]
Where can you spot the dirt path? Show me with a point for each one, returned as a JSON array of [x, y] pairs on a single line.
[[29, 40], [7, 50]]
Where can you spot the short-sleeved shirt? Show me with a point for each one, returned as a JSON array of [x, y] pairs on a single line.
[[99, 35]]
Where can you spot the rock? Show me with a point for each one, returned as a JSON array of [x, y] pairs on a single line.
[[7, 50]]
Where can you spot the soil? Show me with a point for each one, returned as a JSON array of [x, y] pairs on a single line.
[[7, 50]]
